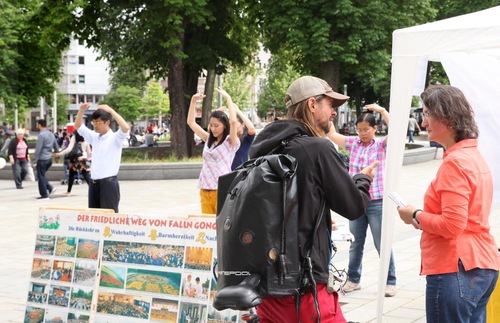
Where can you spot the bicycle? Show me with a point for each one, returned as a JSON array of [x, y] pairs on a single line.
[[337, 278]]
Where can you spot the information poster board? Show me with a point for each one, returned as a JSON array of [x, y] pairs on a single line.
[[95, 266]]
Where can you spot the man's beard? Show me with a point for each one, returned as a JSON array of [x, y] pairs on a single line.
[[326, 127]]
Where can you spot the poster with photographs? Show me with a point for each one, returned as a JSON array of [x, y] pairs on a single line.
[[64, 267], [93, 266]]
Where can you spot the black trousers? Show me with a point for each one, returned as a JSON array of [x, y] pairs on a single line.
[[104, 193], [72, 175]]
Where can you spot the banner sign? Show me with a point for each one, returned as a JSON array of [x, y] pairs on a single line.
[[91, 265]]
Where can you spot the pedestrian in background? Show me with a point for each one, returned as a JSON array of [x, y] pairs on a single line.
[[6, 143], [221, 143], [459, 254], [412, 124], [104, 189], [19, 158], [363, 150], [46, 145], [77, 164]]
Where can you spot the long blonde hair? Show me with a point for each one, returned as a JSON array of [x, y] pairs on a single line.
[[301, 112]]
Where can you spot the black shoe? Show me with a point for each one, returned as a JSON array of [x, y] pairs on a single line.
[[43, 198], [52, 191], [20, 188]]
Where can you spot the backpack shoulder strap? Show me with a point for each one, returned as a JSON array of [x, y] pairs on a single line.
[[284, 143]]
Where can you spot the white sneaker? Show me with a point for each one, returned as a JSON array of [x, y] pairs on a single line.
[[351, 287], [390, 290]]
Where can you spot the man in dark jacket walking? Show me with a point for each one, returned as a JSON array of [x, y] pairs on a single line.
[[321, 177]]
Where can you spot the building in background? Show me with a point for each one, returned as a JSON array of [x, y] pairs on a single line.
[[84, 78]]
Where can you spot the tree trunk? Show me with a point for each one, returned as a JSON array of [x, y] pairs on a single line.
[[207, 102], [191, 76], [330, 72], [178, 126], [177, 106]]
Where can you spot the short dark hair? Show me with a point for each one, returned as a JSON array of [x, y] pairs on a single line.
[[367, 117], [104, 115], [42, 122]]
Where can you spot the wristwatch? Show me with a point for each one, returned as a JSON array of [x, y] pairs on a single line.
[[414, 217]]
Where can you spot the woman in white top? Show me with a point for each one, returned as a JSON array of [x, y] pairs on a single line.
[[79, 159]]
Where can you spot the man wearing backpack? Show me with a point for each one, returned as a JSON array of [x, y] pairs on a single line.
[[321, 177]]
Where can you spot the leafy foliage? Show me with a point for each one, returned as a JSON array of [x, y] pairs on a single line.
[[124, 72], [127, 101], [155, 101], [280, 75], [33, 35], [339, 41], [237, 85], [170, 38]]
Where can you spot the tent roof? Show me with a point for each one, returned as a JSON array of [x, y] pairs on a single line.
[[478, 31]]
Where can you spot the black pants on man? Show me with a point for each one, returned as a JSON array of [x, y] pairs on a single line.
[[104, 193]]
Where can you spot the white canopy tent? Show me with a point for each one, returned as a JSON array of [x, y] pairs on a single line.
[[468, 47]]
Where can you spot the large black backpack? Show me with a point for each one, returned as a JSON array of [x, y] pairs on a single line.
[[257, 234]]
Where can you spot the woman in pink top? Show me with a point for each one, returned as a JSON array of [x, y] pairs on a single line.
[[221, 143], [459, 255]]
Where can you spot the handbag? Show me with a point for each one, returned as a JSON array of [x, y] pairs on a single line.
[[30, 174]]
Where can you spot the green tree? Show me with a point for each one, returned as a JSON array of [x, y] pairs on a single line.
[[155, 101], [62, 106], [452, 8], [170, 38], [339, 40], [124, 72], [9, 38], [33, 36], [280, 76], [127, 101], [236, 83]]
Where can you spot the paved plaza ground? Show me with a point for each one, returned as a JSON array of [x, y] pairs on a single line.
[[19, 211]]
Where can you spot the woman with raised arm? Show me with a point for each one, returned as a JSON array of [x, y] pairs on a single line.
[[221, 143], [363, 150]]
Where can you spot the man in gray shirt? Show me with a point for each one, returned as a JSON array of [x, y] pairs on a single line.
[[412, 123], [45, 145]]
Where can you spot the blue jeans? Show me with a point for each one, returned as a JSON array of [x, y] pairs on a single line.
[[410, 133], [459, 297], [44, 187], [359, 227], [20, 169]]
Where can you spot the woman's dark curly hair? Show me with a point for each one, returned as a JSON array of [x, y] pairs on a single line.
[[448, 104]]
